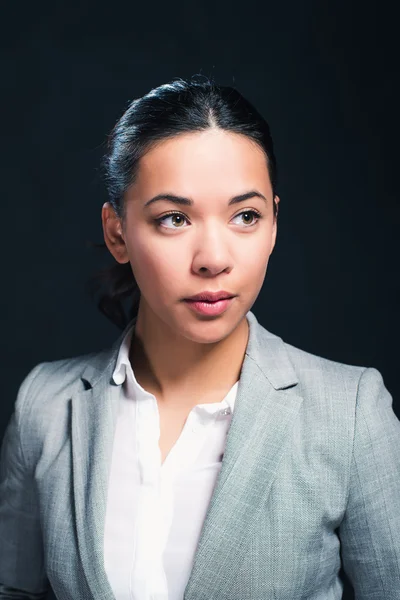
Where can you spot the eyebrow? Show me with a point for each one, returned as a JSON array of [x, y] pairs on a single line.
[[188, 202]]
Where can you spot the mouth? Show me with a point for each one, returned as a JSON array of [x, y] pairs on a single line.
[[206, 301], [210, 297], [210, 308]]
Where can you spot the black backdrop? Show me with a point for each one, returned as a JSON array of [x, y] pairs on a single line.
[[325, 77]]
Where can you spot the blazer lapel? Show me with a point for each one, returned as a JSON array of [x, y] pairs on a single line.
[[94, 416], [265, 410]]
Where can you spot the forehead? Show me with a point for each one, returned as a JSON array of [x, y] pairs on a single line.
[[212, 158]]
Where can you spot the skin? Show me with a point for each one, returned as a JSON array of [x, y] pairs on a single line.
[[182, 357]]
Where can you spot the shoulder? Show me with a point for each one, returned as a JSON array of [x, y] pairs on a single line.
[[286, 364], [63, 375], [48, 386], [308, 364], [302, 367], [345, 384], [319, 380]]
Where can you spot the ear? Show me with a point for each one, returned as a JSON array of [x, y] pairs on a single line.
[[113, 235], [275, 225]]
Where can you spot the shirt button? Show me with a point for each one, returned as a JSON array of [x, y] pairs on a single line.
[[118, 377], [226, 411]]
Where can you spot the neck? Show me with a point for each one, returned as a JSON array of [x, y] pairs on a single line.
[[171, 365]]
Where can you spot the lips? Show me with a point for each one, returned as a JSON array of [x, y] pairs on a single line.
[[209, 297], [211, 309]]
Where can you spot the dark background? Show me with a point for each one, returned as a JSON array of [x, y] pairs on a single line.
[[324, 76]]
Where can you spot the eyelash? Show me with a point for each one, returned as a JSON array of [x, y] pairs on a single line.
[[159, 220]]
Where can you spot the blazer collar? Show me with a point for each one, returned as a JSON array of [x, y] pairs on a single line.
[[265, 411]]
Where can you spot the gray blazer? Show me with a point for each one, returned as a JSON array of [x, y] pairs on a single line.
[[310, 482]]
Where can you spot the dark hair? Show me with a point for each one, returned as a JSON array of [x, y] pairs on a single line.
[[180, 106]]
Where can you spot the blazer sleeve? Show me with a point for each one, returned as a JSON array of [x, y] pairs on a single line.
[[370, 530], [22, 573]]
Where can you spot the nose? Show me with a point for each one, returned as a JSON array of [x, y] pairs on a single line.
[[212, 253]]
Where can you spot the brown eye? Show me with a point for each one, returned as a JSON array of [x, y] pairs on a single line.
[[248, 214], [179, 218], [174, 215]]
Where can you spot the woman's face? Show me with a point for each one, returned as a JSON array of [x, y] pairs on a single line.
[[207, 246]]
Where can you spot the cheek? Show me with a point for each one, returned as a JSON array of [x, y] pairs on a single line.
[[253, 254], [254, 269], [254, 262], [157, 267]]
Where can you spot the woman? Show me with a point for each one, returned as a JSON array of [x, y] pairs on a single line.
[[201, 456]]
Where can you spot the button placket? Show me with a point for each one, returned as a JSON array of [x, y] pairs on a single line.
[[147, 432]]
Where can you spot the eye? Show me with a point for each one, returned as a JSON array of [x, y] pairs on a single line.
[[182, 217]]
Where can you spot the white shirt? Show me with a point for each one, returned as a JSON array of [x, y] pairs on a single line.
[[155, 512]]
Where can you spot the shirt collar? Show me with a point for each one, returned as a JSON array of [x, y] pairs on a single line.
[[119, 374], [123, 363]]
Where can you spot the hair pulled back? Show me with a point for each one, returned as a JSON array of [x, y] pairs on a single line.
[[181, 106]]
